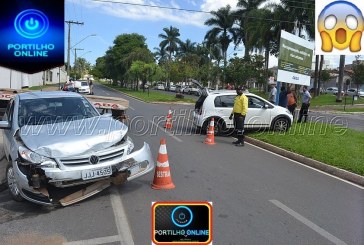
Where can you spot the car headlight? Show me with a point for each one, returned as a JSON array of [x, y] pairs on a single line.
[[130, 144], [31, 157]]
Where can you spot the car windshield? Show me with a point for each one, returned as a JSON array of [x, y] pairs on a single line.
[[84, 84], [54, 110]]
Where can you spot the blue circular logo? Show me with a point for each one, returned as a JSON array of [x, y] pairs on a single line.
[[182, 216], [31, 23]]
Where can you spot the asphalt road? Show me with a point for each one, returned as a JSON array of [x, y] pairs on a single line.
[[258, 197]]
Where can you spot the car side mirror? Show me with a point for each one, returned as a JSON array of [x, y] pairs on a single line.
[[266, 106], [4, 125]]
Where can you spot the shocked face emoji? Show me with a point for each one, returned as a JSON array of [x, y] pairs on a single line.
[[341, 25]]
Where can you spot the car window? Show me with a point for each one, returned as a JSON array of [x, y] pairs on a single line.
[[9, 111], [54, 110], [84, 84], [225, 101], [255, 103]]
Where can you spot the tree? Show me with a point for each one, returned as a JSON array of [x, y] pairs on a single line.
[[223, 29], [170, 41], [325, 77], [81, 68], [246, 7], [140, 70], [117, 59], [186, 48], [341, 77], [98, 69], [358, 73]]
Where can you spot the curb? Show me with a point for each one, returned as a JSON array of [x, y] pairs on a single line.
[[136, 98], [343, 174]]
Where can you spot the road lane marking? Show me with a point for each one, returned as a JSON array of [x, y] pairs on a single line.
[[95, 241], [304, 165], [169, 133], [132, 108], [121, 220], [308, 223]]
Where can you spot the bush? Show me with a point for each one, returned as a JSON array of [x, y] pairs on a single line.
[[179, 96]]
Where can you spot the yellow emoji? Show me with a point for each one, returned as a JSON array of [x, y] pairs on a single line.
[[341, 25]]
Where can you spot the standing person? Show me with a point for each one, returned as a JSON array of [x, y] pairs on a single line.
[[283, 97], [272, 94], [239, 112], [291, 102], [306, 98], [91, 85]]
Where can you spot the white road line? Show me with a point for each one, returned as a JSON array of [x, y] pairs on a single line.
[[308, 223], [105, 92], [95, 241], [304, 165], [132, 108], [121, 220], [169, 133]]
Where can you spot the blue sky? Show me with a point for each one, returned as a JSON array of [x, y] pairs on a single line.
[[108, 20]]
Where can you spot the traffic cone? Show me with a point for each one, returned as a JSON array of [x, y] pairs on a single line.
[[162, 175], [168, 124], [210, 136]]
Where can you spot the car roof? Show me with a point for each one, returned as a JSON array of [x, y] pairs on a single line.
[[48, 94]]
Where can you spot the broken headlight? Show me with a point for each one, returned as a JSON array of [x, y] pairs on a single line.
[[30, 157], [130, 144]]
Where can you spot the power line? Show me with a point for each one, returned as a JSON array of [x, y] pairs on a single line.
[[183, 9]]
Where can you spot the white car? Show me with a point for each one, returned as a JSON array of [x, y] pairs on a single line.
[[331, 90], [219, 105], [82, 87], [191, 90], [353, 91], [160, 87], [172, 88]]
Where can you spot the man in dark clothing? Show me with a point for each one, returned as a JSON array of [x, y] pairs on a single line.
[[306, 98], [283, 97], [239, 112]]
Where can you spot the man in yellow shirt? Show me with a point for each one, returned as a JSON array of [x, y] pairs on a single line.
[[239, 112]]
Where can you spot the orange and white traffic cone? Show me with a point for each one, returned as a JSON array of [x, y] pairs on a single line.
[[168, 124], [162, 175], [210, 135]]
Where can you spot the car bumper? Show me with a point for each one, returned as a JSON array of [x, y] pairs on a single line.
[[136, 164]]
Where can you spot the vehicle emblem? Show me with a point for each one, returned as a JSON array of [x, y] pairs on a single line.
[[94, 159]]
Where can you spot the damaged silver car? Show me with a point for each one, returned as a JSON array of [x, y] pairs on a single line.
[[57, 141]]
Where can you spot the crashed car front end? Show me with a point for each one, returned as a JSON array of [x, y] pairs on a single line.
[[117, 164]]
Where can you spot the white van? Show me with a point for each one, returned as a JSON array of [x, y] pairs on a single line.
[[82, 87]]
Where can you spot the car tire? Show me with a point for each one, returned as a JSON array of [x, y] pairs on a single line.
[[13, 184], [280, 124], [218, 127]]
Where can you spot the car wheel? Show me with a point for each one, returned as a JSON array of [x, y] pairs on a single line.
[[218, 128], [281, 124], [13, 184]]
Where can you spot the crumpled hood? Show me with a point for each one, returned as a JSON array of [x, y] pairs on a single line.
[[67, 139]]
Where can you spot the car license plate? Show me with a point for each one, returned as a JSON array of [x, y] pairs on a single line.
[[96, 173]]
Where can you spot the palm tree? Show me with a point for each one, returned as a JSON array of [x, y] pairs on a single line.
[[160, 55], [223, 29], [261, 33], [170, 41], [246, 7], [187, 48]]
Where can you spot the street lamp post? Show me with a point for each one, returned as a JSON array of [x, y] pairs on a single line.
[[69, 49]]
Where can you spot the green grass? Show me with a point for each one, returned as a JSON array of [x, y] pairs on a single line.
[[152, 96], [329, 99], [333, 145], [43, 87]]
